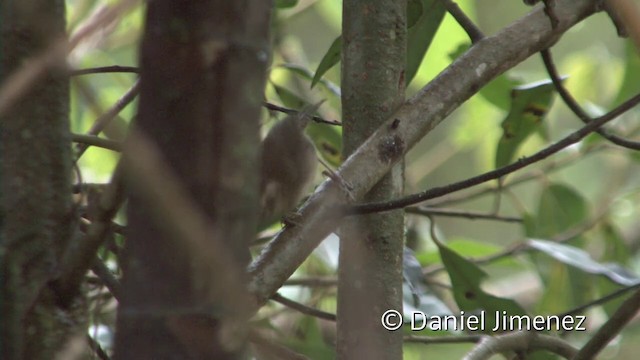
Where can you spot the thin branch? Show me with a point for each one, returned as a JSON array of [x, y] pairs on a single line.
[[523, 246], [104, 70], [516, 180], [497, 173], [92, 140], [605, 299], [611, 328], [471, 215], [303, 308], [287, 111], [103, 120], [474, 33], [575, 107], [97, 349], [107, 278]]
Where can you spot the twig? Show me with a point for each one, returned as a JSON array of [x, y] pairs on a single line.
[[471, 215], [611, 328], [107, 278], [523, 245], [497, 173], [285, 110], [474, 33], [573, 104], [303, 308], [97, 349], [91, 140], [533, 174], [104, 70], [103, 120], [599, 301]]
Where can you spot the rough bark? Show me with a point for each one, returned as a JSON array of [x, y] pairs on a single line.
[[35, 191], [202, 78], [370, 270]]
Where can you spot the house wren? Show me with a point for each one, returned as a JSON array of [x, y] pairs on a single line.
[[287, 167]]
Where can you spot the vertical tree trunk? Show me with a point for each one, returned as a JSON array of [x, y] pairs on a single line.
[[35, 193], [370, 273], [203, 69]]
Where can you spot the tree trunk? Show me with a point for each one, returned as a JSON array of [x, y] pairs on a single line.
[[202, 81], [35, 191], [370, 271]]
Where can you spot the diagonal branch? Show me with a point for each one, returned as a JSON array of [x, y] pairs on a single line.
[[575, 107], [611, 328], [486, 60], [500, 172], [473, 31]]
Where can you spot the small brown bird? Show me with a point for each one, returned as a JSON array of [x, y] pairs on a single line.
[[287, 168]]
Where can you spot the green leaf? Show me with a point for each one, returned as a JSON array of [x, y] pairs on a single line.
[[327, 139], [330, 58], [466, 278], [416, 296], [581, 260], [284, 4], [288, 98], [414, 12], [328, 142], [497, 91], [562, 289], [468, 247], [424, 18], [615, 248], [529, 105], [298, 70], [606, 287], [631, 80], [560, 208], [308, 75]]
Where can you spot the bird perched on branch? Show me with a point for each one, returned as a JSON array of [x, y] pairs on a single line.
[[287, 167]]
